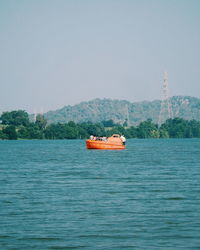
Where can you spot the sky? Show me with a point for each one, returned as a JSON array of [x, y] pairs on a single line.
[[62, 52]]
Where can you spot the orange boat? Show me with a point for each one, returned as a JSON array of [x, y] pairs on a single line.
[[113, 142]]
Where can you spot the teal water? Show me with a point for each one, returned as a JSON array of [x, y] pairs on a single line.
[[59, 195]]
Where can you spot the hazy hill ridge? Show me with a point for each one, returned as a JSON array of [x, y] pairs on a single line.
[[119, 111]]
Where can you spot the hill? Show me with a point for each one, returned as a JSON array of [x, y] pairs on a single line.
[[119, 111]]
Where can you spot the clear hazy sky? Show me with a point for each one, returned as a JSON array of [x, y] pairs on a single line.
[[60, 52]]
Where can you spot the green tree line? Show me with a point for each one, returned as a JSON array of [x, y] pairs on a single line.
[[16, 125]]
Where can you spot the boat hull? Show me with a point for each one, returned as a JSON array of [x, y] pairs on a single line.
[[105, 145]]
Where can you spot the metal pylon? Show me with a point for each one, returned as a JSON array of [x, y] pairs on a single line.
[[165, 108]]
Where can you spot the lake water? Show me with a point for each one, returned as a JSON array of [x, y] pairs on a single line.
[[59, 195]]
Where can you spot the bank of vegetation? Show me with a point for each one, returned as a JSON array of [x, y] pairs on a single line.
[[16, 125]]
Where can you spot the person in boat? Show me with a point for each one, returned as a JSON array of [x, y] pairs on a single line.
[[93, 138], [123, 139]]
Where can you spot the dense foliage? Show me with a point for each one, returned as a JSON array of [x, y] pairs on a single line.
[[16, 125], [16, 118]]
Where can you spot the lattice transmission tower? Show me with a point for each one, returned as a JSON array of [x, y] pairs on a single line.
[[165, 108]]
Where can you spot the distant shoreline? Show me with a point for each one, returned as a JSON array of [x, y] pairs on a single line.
[[16, 125]]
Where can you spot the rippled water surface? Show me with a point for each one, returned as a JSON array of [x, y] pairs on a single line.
[[59, 195]]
